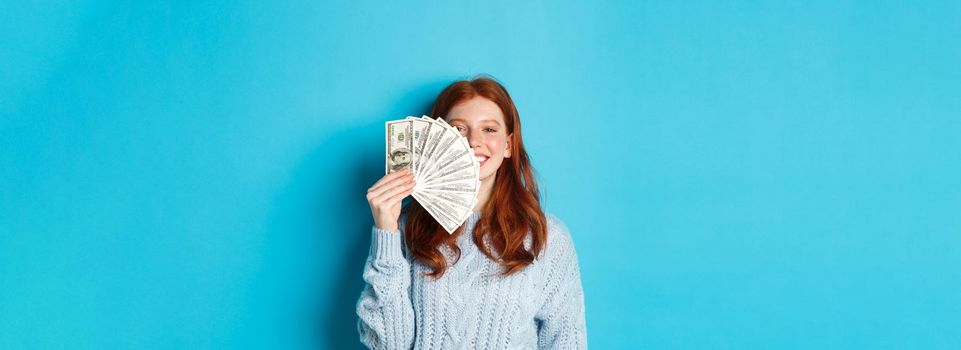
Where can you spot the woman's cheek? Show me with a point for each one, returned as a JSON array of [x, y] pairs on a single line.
[[496, 146]]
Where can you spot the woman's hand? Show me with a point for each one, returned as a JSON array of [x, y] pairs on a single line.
[[386, 195]]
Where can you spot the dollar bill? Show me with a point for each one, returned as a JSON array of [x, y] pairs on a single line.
[[459, 205], [438, 141], [399, 146], [444, 154], [420, 128], [463, 201], [461, 171], [445, 219], [448, 159], [451, 211], [470, 187], [464, 169]]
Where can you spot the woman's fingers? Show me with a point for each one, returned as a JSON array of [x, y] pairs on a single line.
[[390, 186], [395, 199], [389, 180], [387, 193]]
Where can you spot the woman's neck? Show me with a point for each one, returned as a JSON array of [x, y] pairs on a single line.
[[486, 187]]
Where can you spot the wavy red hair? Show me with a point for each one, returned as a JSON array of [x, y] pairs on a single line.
[[513, 210]]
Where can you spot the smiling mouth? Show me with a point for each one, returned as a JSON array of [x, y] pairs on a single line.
[[481, 159]]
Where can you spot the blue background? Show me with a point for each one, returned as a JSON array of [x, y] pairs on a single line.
[[744, 175]]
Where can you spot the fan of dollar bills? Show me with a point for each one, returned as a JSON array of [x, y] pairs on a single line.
[[444, 167]]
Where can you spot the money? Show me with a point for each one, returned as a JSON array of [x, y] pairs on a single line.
[[399, 145], [420, 128], [444, 166]]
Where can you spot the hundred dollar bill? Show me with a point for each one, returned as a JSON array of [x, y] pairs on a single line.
[[447, 222], [464, 168], [460, 200], [427, 146], [461, 203], [432, 145], [399, 146], [449, 160], [420, 145], [439, 139], [452, 212], [420, 128], [460, 153], [469, 186], [456, 187], [460, 171], [442, 155]]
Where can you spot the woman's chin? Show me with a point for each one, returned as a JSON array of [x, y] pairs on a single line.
[[485, 177]]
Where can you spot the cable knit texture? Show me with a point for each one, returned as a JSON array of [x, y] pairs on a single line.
[[471, 306]]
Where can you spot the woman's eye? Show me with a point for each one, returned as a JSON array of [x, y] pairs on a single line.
[[489, 130]]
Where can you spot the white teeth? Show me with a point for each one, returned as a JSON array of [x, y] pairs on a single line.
[[481, 159]]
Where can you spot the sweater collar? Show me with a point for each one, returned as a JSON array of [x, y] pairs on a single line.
[[474, 216]]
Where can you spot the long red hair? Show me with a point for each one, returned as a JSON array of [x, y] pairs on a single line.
[[513, 210]]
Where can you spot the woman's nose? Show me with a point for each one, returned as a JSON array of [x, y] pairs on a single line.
[[474, 139]]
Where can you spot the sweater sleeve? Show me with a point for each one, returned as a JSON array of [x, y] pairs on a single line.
[[385, 312], [560, 319]]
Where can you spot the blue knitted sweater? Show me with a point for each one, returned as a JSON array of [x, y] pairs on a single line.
[[471, 306]]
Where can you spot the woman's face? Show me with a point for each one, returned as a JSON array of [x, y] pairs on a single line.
[[481, 121]]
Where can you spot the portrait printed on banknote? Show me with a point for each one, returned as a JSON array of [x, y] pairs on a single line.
[[399, 145]]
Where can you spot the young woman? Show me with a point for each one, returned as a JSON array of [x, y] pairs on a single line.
[[507, 278]]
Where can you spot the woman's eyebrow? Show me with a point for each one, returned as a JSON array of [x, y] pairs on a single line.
[[480, 121]]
